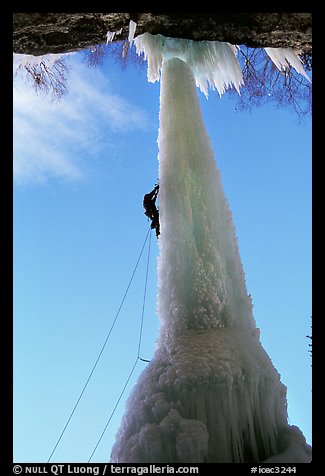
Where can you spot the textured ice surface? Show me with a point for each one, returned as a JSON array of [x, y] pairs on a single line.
[[201, 279], [211, 396]]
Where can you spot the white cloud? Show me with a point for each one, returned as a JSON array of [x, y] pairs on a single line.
[[50, 138]]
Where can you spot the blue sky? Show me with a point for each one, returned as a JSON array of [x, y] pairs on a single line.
[[81, 168]]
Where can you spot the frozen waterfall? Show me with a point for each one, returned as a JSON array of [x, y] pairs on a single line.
[[211, 393]]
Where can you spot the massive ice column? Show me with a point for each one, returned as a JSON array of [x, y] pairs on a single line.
[[211, 393]]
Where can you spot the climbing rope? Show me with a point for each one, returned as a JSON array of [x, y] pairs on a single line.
[[104, 345], [113, 411], [144, 298], [137, 357]]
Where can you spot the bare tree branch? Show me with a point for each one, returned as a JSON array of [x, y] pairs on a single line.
[[47, 79]]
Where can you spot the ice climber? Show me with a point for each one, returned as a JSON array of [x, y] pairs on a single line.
[[151, 211]]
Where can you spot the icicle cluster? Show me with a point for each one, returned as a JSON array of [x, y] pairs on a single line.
[[213, 63], [132, 27], [283, 58], [111, 35]]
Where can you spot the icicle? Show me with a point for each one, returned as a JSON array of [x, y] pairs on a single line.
[[284, 57], [132, 28]]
